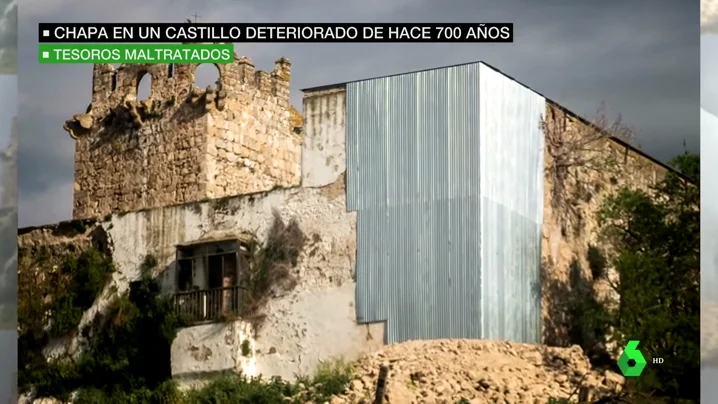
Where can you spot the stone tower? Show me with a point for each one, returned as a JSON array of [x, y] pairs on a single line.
[[184, 143]]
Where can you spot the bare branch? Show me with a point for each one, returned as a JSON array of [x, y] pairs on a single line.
[[574, 147]]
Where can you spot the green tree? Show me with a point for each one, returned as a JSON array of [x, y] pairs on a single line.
[[653, 244]]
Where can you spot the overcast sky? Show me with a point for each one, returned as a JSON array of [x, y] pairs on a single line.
[[640, 57]]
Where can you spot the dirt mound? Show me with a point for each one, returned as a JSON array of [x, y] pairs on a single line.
[[476, 371]]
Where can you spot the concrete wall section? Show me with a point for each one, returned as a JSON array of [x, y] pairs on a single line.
[[324, 156], [312, 326], [208, 349]]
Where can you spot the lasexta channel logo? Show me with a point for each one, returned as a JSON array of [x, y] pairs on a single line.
[[631, 361]]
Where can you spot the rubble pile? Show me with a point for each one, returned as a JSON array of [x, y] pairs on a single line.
[[479, 371]]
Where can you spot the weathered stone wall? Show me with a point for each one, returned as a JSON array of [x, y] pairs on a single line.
[[324, 156], [565, 246], [75, 235], [314, 321], [184, 143], [202, 351], [251, 142]]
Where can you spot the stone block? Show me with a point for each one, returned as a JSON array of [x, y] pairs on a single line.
[[170, 136]]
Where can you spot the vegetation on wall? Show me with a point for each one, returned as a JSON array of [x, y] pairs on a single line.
[[126, 348], [651, 240], [124, 354], [246, 348], [647, 252], [573, 147], [331, 378], [266, 269], [54, 290], [270, 266], [655, 249]]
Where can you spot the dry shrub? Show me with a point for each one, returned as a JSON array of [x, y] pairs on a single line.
[[574, 147], [271, 264]]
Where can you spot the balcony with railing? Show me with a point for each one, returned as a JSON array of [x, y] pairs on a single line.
[[209, 305]]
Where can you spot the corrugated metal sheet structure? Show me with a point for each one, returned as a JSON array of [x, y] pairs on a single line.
[[512, 149], [417, 163]]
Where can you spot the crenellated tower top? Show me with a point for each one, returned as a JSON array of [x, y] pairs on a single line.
[[183, 143]]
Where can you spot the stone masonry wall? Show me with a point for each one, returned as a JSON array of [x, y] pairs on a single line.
[[313, 321], [566, 269], [251, 142], [183, 144]]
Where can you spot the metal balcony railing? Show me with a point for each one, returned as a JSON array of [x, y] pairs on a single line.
[[201, 306]]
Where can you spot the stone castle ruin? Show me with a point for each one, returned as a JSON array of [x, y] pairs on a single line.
[[191, 176], [184, 143]]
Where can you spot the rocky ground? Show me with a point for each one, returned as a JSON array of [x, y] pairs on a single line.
[[449, 371], [476, 371]]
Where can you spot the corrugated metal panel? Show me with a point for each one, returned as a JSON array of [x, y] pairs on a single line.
[[445, 170], [413, 176], [511, 207]]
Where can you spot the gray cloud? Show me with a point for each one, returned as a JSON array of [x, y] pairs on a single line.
[[624, 56], [53, 148]]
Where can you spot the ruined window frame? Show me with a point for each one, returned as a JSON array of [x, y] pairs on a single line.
[[203, 251], [206, 305]]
